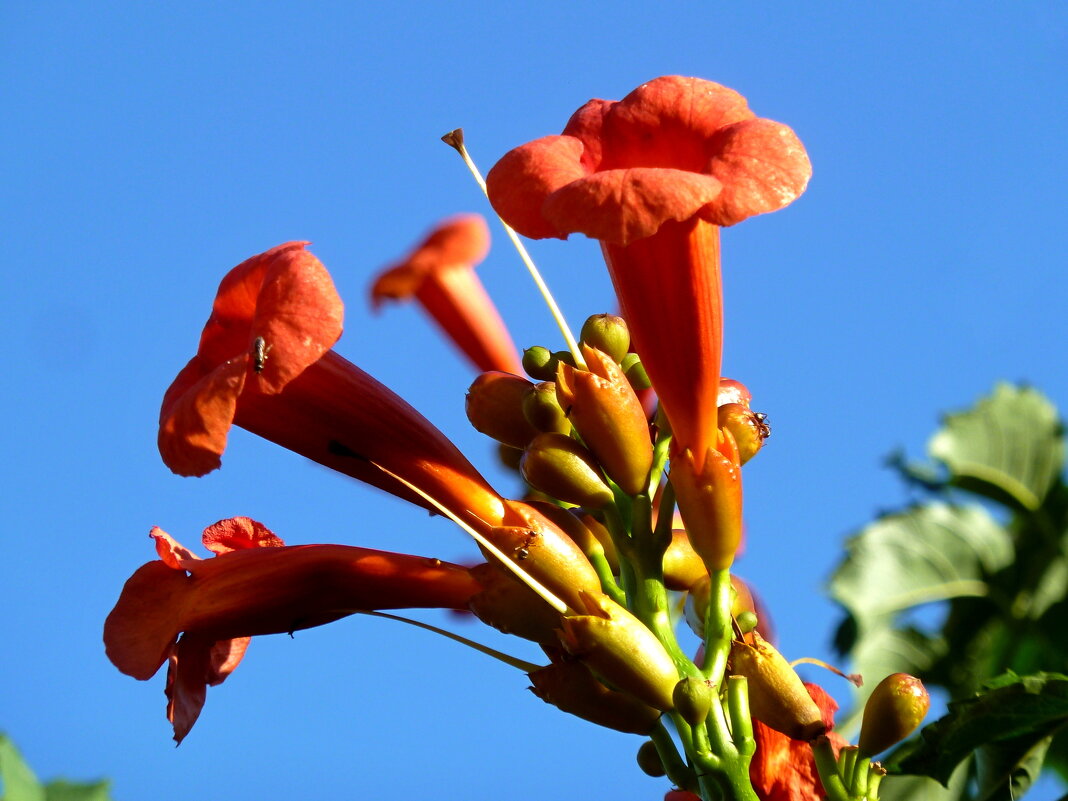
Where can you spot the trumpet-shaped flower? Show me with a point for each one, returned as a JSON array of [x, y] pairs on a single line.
[[653, 176], [265, 363], [254, 585], [440, 275]]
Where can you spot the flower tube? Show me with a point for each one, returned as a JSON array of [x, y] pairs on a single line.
[[653, 177], [254, 585], [440, 275]]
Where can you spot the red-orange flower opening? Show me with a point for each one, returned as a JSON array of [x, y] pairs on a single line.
[[440, 275], [653, 176], [265, 363], [784, 769], [254, 585]]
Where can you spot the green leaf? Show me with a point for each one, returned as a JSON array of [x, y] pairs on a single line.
[[61, 790], [1009, 446], [1008, 768], [1012, 712], [19, 783], [924, 788], [928, 553]]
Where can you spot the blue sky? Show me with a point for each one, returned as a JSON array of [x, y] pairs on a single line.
[[147, 148]]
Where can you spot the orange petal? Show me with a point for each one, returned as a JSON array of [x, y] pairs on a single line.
[[237, 533], [763, 167], [620, 206], [520, 182], [141, 629], [668, 122]]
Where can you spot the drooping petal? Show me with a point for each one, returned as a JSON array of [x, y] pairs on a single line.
[[520, 182], [195, 664], [763, 167], [238, 533], [620, 206], [283, 296]]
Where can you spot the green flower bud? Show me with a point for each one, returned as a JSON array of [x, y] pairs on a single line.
[[635, 373], [693, 699], [607, 333], [560, 467], [895, 708], [649, 760], [539, 363]]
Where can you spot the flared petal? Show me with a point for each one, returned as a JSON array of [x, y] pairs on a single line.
[[620, 206], [520, 182]]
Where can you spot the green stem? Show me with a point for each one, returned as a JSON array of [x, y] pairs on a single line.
[[718, 632], [827, 766], [677, 770]]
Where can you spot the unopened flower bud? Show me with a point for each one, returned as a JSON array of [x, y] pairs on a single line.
[[631, 365], [495, 407], [570, 686], [602, 406], [542, 409], [607, 333], [747, 622], [539, 363], [895, 708], [682, 566], [510, 606], [560, 467], [590, 535], [748, 428], [710, 501], [649, 760], [777, 697], [693, 699], [731, 391], [562, 357], [619, 649]]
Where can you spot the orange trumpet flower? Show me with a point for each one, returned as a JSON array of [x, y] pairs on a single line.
[[440, 275], [265, 363], [653, 176], [254, 585]]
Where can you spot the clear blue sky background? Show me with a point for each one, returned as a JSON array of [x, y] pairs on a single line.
[[146, 148]]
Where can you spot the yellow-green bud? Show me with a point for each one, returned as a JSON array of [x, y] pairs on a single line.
[[608, 333], [632, 368], [777, 698], [542, 409], [539, 363], [619, 649], [895, 708], [560, 467], [649, 760], [693, 699]]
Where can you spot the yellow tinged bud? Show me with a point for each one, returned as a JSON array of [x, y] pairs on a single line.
[[897, 705], [777, 698], [495, 407], [748, 428], [571, 687], [560, 467], [511, 606], [602, 406], [682, 566], [693, 699], [710, 502], [621, 651], [542, 409]]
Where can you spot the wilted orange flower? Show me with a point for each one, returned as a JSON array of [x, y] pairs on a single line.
[[440, 275], [254, 585], [653, 176], [265, 363]]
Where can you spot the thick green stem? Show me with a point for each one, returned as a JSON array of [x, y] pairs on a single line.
[[827, 766], [674, 766]]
